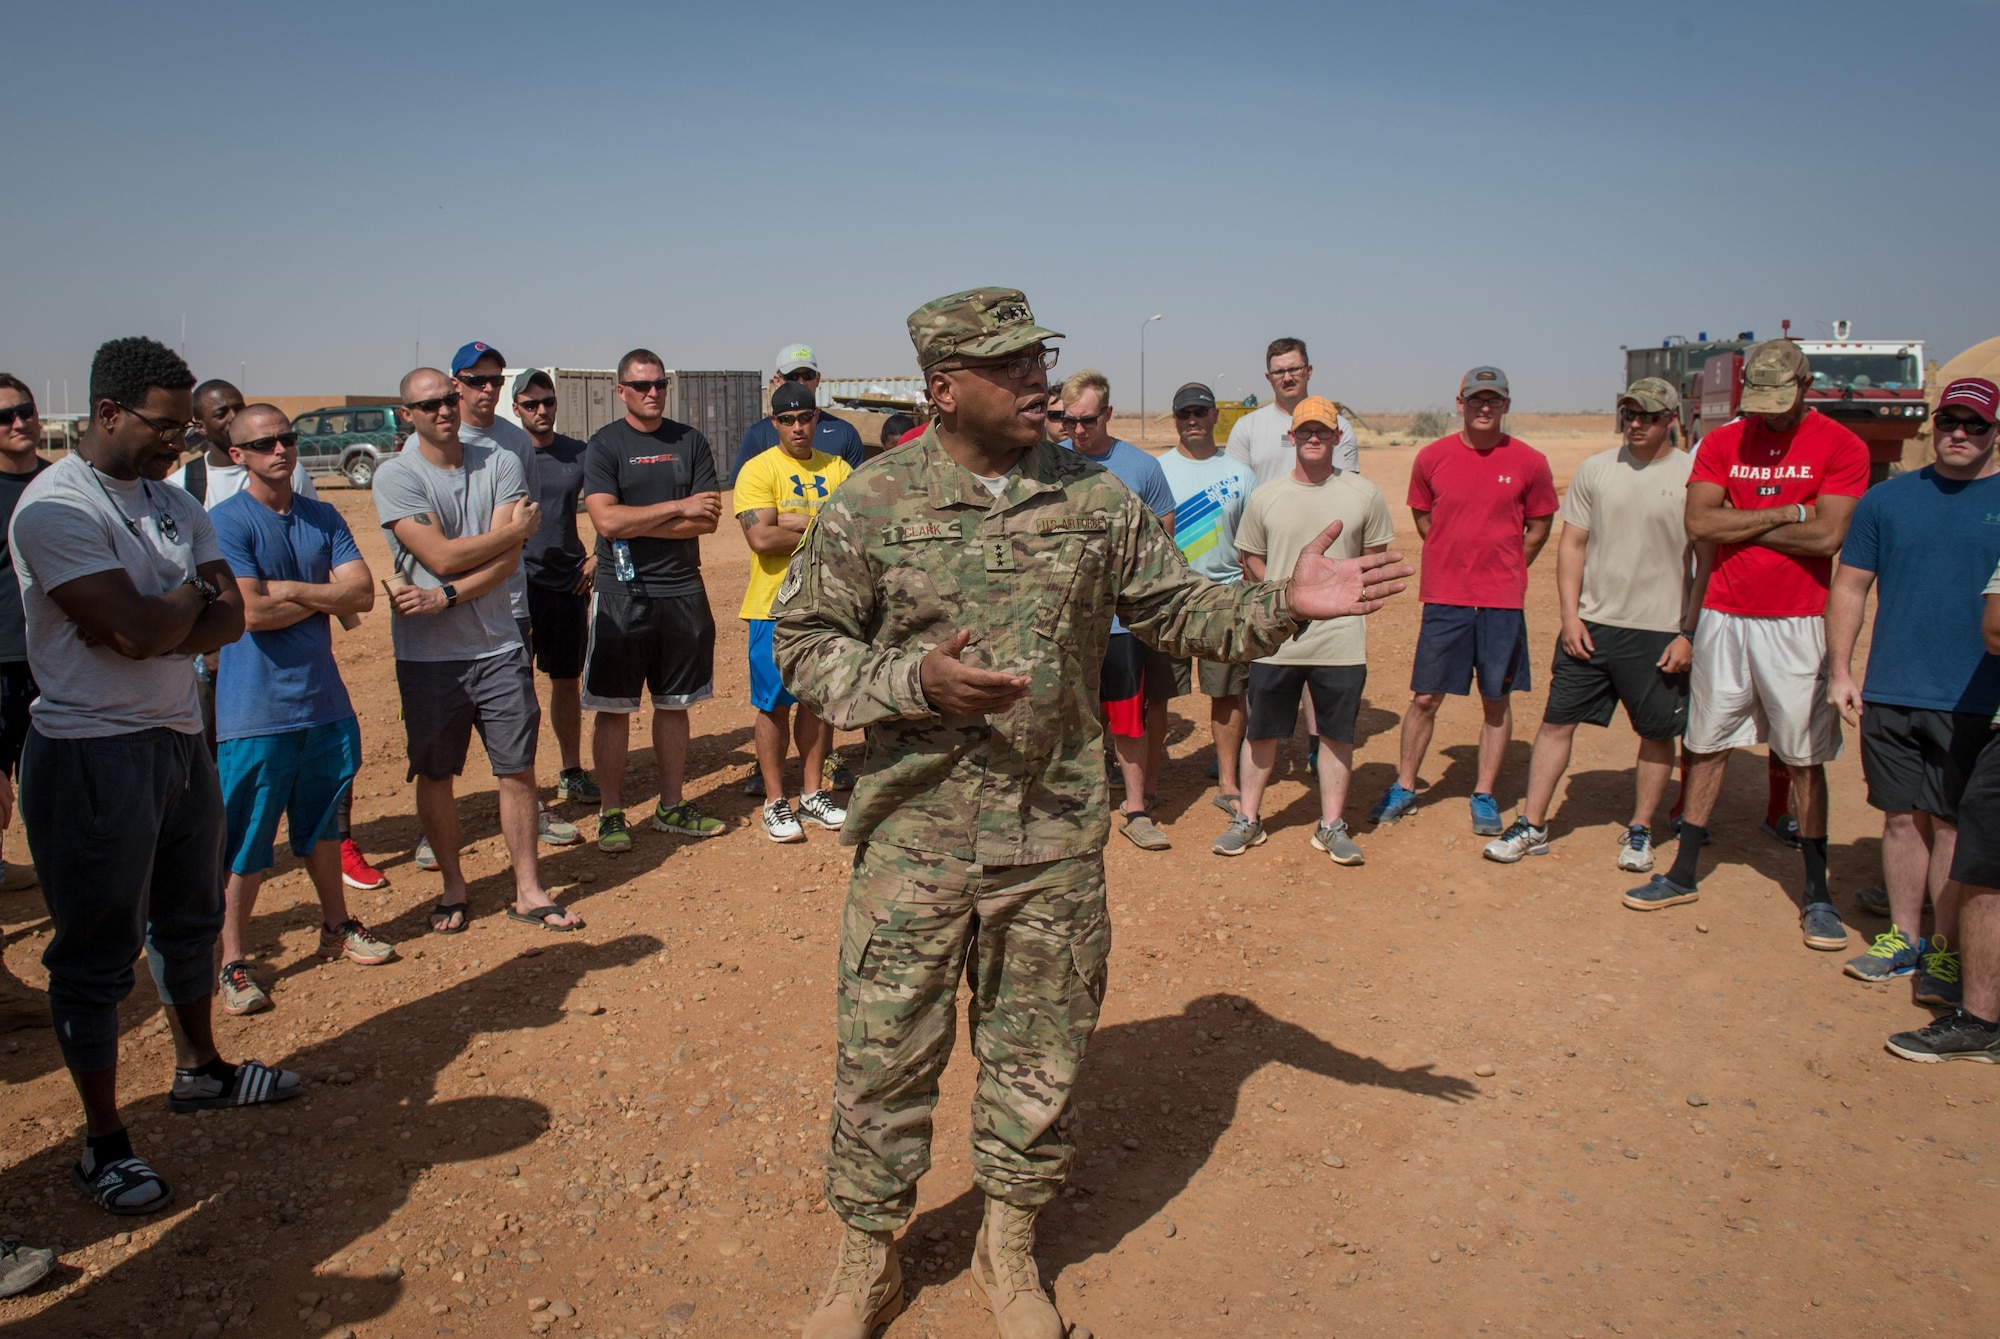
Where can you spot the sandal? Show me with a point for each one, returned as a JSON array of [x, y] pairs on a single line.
[[255, 1084], [111, 1184], [546, 917], [452, 913], [1226, 802]]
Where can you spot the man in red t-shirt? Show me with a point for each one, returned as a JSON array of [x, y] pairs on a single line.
[[1484, 503], [1772, 492]]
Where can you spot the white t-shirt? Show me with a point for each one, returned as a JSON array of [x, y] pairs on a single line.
[[226, 481], [1259, 441], [67, 526], [513, 439]]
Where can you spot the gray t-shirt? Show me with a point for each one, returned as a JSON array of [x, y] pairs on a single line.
[[462, 502], [68, 526], [515, 440]]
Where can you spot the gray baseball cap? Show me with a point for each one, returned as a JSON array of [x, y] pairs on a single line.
[[1485, 379]]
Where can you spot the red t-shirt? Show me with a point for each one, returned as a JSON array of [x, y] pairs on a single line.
[[1479, 501], [1758, 468]]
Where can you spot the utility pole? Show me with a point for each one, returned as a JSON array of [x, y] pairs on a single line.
[[1142, 373]]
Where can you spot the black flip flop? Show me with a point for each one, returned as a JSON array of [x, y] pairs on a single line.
[[447, 910], [542, 916]]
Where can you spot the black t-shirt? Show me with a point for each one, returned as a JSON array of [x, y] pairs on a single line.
[[553, 555], [13, 624], [643, 469]]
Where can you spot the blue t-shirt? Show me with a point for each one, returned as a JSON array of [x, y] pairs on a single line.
[[835, 436], [272, 683], [1139, 472], [1933, 544]]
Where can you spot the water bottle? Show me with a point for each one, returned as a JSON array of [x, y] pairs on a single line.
[[621, 560]]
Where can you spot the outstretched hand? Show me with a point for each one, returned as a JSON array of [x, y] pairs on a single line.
[[955, 688], [1323, 587]]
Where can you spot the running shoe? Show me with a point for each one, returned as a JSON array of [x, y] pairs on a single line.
[[240, 994], [355, 942], [687, 820], [554, 832], [22, 1267], [1395, 802], [425, 858], [819, 808], [753, 785], [779, 824], [611, 834], [16, 877], [1485, 816], [1891, 955], [1785, 830], [577, 784], [1242, 833], [1521, 838], [1820, 923], [1874, 900], [1657, 892], [1956, 1036], [1937, 983], [1332, 838], [355, 871], [1635, 849]]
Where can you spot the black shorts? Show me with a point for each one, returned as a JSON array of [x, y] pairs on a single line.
[[1457, 642], [17, 692], [662, 643], [1162, 679], [1918, 758], [1336, 694], [1121, 686], [444, 700], [559, 629], [1976, 861], [1623, 668]]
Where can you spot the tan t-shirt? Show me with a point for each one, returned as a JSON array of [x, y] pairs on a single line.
[[1282, 517], [1633, 566]]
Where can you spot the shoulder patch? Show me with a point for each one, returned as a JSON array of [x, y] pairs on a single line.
[[795, 575]]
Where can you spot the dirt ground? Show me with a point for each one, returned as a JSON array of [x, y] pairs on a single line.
[[1430, 1095]]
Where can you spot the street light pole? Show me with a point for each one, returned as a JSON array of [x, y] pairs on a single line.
[[1142, 373]]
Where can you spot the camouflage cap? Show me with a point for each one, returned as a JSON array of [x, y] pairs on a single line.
[[1652, 394], [1771, 373], [978, 323]]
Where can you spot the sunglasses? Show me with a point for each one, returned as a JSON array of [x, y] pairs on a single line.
[[17, 413], [794, 420], [431, 406], [488, 383], [1971, 427], [288, 440], [1643, 416], [167, 432], [802, 374], [1314, 432], [1088, 421], [546, 402], [643, 387], [1190, 415]]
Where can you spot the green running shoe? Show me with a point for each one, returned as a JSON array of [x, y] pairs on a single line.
[[687, 820]]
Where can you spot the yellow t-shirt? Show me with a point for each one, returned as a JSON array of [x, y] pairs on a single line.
[[779, 482]]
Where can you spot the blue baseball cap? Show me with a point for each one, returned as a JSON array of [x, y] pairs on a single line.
[[472, 353]]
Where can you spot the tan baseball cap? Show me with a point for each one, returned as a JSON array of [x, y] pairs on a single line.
[[1652, 394], [1772, 372]]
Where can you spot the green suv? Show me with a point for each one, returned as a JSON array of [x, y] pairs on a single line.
[[349, 440]]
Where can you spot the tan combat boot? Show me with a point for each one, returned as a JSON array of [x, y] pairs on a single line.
[[866, 1289], [1003, 1270], [21, 1005]]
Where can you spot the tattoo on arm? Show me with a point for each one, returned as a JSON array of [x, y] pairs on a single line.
[[422, 518], [757, 516]]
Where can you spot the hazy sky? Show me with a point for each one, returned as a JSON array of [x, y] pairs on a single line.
[[1413, 188]]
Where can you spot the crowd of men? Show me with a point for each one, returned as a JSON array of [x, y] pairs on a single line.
[[169, 690]]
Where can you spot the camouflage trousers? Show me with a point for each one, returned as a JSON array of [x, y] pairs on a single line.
[[1031, 942]]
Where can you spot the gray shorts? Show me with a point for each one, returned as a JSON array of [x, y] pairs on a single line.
[[444, 700]]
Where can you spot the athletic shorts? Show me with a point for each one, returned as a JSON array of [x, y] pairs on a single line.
[[1219, 678], [17, 691], [1162, 684], [1623, 669], [1917, 758], [661, 643], [767, 686], [1336, 695], [1458, 641], [1762, 681], [1976, 861], [301, 774], [445, 700], [1121, 687], [558, 628]]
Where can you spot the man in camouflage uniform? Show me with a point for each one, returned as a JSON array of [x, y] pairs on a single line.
[[954, 598]]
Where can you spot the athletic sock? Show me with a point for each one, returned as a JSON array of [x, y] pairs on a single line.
[[99, 1149], [217, 1068], [1778, 801], [1687, 858], [1814, 850]]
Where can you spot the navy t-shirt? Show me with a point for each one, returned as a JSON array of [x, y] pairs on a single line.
[[835, 436], [1933, 544], [553, 556], [272, 683], [643, 469]]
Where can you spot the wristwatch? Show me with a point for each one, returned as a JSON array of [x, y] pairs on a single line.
[[450, 595], [210, 592]]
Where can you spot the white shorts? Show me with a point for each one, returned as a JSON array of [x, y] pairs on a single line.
[[1762, 681]]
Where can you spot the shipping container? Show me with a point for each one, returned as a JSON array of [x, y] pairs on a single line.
[[880, 394], [721, 404]]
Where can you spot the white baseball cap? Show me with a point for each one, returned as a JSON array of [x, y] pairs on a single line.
[[795, 356]]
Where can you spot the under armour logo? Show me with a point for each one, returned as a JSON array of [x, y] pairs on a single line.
[[818, 485], [1506, 478]]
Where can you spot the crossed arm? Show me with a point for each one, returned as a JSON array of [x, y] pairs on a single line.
[[770, 531], [685, 518], [1712, 520], [109, 611], [474, 564], [271, 605]]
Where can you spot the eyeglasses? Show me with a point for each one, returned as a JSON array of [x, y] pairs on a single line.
[[482, 382], [1485, 402], [167, 432], [1971, 427], [260, 445], [546, 402], [1190, 415], [642, 387], [431, 406], [1649, 418], [1287, 373], [1014, 369], [802, 374], [13, 413], [794, 420]]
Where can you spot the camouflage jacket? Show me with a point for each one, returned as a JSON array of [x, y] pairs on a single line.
[[910, 550]]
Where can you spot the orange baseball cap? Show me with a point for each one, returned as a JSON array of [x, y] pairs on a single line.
[[1316, 409]]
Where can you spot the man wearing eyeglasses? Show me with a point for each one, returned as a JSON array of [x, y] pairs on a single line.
[[456, 514], [1628, 602], [649, 484], [955, 601], [123, 584], [799, 366], [1262, 440], [1926, 542], [20, 463]]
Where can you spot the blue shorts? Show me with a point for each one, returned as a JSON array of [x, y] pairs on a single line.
[[302, 773], [767, 689], [1456, 640]]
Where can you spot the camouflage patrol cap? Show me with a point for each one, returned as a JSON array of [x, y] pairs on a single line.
[[1652, 394], [978, 323], [1771, 374]]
